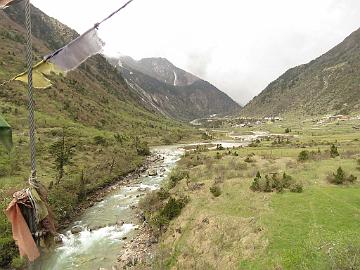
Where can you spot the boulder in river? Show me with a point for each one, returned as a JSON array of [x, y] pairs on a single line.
[[76, 229], [95, 227], [120, 222], [57, 239], [141, 189], [152, 172]]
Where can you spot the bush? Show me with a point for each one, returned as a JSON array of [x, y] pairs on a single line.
[[215, 190], [218, 155], [170, 210], [142, 147], [249, 159], [297, 188], [287, 130], [100, 140], [334, 151], [176, 176], [275, 183], [340, 177], [18, 263], [304, 155], [173, 208], [8, 251]]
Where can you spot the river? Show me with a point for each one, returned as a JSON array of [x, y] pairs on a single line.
[[102, 233]]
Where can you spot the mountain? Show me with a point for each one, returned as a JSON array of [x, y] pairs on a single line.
[[172, 91], [328, 84], [91, 111]]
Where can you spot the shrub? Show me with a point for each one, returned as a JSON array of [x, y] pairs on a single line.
[[275, 183], [8, 250], [173, 208], [297, 188], [334, 151], [206, 136], [219, 147], [340, 178], [18, 263], [215, 190], [218, 155], [255, 186], [287, 130], [142, 147], [304, 155], [100, 140], [249, 159], [176, 176]]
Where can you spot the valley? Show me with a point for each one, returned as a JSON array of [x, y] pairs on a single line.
[[149, 166]]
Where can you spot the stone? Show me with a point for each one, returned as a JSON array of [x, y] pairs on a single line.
[[76, 229], [58, 239], [206, 221], [152, 172], [120, 222]]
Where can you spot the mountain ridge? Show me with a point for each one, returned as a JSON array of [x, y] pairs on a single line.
[[173, 91], [328, 84]]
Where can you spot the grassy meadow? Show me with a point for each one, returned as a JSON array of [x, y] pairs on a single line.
[[223, 224]]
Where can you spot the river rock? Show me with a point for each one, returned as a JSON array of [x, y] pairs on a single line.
[[76, 229], [58, 240], [152, 172], [95, 228], [120, 222]]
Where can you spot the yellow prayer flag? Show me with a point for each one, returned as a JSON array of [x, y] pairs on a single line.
[[39, 70]]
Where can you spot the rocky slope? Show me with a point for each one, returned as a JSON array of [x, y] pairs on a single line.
[[328, 84], [173, 91]]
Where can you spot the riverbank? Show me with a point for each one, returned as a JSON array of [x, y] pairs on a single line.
[[109, 220], [102, 192]]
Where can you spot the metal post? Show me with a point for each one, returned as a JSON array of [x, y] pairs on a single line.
[[30, 91]]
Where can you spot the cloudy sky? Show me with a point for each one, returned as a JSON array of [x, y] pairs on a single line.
[[239, 46]]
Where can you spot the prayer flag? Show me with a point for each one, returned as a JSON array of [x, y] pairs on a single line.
[[77, 51], [65, 59]]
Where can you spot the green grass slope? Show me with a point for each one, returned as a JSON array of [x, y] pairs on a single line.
[[226, 225], [328, 84]]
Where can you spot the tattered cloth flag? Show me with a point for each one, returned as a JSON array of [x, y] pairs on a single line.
[[6, 3], [65, 59], [5, 134]]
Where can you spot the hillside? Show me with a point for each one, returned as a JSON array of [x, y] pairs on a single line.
[[328, 84], [172, 91], [103, 122]]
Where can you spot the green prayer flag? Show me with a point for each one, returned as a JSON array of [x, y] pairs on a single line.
[[5, 134]]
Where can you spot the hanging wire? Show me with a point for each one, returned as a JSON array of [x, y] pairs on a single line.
[[112, 14], [30, 89]]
